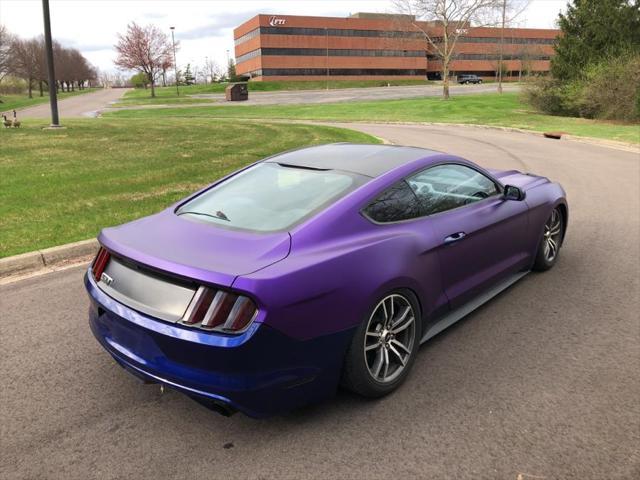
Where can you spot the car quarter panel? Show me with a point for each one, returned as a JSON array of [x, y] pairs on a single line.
[[341, 263], [318, 291]]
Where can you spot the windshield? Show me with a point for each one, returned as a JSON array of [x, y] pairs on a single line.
[[268, 197]]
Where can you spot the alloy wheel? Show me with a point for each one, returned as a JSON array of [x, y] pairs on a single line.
[[552, 236], [390, 338]]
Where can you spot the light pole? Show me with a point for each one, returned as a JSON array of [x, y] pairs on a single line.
[[175, 62], [326, 36], [53, 95], [504, 11]]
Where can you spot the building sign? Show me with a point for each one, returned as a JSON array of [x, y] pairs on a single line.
[[275, 21]]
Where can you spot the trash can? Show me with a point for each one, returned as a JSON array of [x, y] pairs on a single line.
[[236, 92]]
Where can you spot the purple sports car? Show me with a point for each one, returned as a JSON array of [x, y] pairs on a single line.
[[313, 268]]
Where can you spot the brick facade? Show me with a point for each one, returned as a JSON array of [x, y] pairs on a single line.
[[377, 46]]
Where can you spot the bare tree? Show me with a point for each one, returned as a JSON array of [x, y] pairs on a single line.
[[444, 22], [24, 61], [511, 10], [6, 39], [166, 65], [212, 70], [145, 49], [528, 54]]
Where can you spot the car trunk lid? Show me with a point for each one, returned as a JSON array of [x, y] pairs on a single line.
[[193, 249]]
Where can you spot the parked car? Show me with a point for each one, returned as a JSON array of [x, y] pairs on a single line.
[[317, 267], [464, 79]]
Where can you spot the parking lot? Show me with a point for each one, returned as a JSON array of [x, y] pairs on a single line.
[[542, 382]]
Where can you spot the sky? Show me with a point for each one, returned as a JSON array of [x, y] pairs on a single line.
[[204, 28]]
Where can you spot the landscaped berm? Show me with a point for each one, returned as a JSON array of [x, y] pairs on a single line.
[[61, 186], [506, 110]]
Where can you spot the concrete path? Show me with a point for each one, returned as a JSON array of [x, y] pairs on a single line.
[[84, 105], [541, 383], [355, 94]]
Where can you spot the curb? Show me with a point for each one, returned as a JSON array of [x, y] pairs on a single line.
[[31, 262], [600, 142]]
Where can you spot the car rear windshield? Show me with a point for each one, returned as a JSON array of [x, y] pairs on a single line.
[[269, 197]]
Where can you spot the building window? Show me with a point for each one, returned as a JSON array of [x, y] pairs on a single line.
[[495, 56], [271, 72], [507, 40], [333, 32], [248, 56], [336, 32], [247, 36]]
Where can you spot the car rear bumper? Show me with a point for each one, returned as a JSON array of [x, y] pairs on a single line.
[[260, 372]]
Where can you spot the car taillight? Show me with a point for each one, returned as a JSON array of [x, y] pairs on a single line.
[[100, 263], [212, 309]]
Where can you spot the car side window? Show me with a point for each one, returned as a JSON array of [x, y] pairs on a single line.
[[449, 186], [394, 204]]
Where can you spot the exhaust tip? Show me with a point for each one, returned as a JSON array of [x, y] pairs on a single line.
[[215, 405]]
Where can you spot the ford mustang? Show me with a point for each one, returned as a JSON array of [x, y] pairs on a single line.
[[315, 268]]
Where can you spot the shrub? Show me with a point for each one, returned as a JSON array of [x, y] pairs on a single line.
[[609, 89], [12, 86], [544, 94]]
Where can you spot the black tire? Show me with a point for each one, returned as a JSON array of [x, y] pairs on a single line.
[[479, 81], [356, 374], [554, 230]]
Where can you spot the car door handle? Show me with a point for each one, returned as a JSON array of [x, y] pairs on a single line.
[[455, 237]]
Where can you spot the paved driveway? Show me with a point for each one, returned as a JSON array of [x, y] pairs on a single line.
[[541, 383], [355, 94], [84, 105]]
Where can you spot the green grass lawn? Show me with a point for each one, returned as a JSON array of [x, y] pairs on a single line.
[[11, 102], [59, 186], [168, 95], [486, 109]]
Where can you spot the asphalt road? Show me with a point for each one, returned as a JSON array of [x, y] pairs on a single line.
[[356, 94], [84, 105], [541, 383]]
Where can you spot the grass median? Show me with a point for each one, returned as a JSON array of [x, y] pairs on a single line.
[[504, 110], [59, 186]]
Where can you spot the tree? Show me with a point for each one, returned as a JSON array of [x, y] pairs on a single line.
[[510, 10], [179, 78], [212, 70], [6, 39], [166, 65], [140, 80], [527, 55], [189, 79], [445, 21], [24, 61], [145, 49], [593, 30], [72, 68], [232, 76]]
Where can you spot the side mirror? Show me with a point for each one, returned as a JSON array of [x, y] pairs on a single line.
[[513, 193]]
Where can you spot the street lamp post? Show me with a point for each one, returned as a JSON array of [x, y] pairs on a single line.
[[326, 35], [175, 62], [53, 95], [504, 11]]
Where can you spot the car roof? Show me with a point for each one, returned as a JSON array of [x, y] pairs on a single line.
[[363, 159]]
